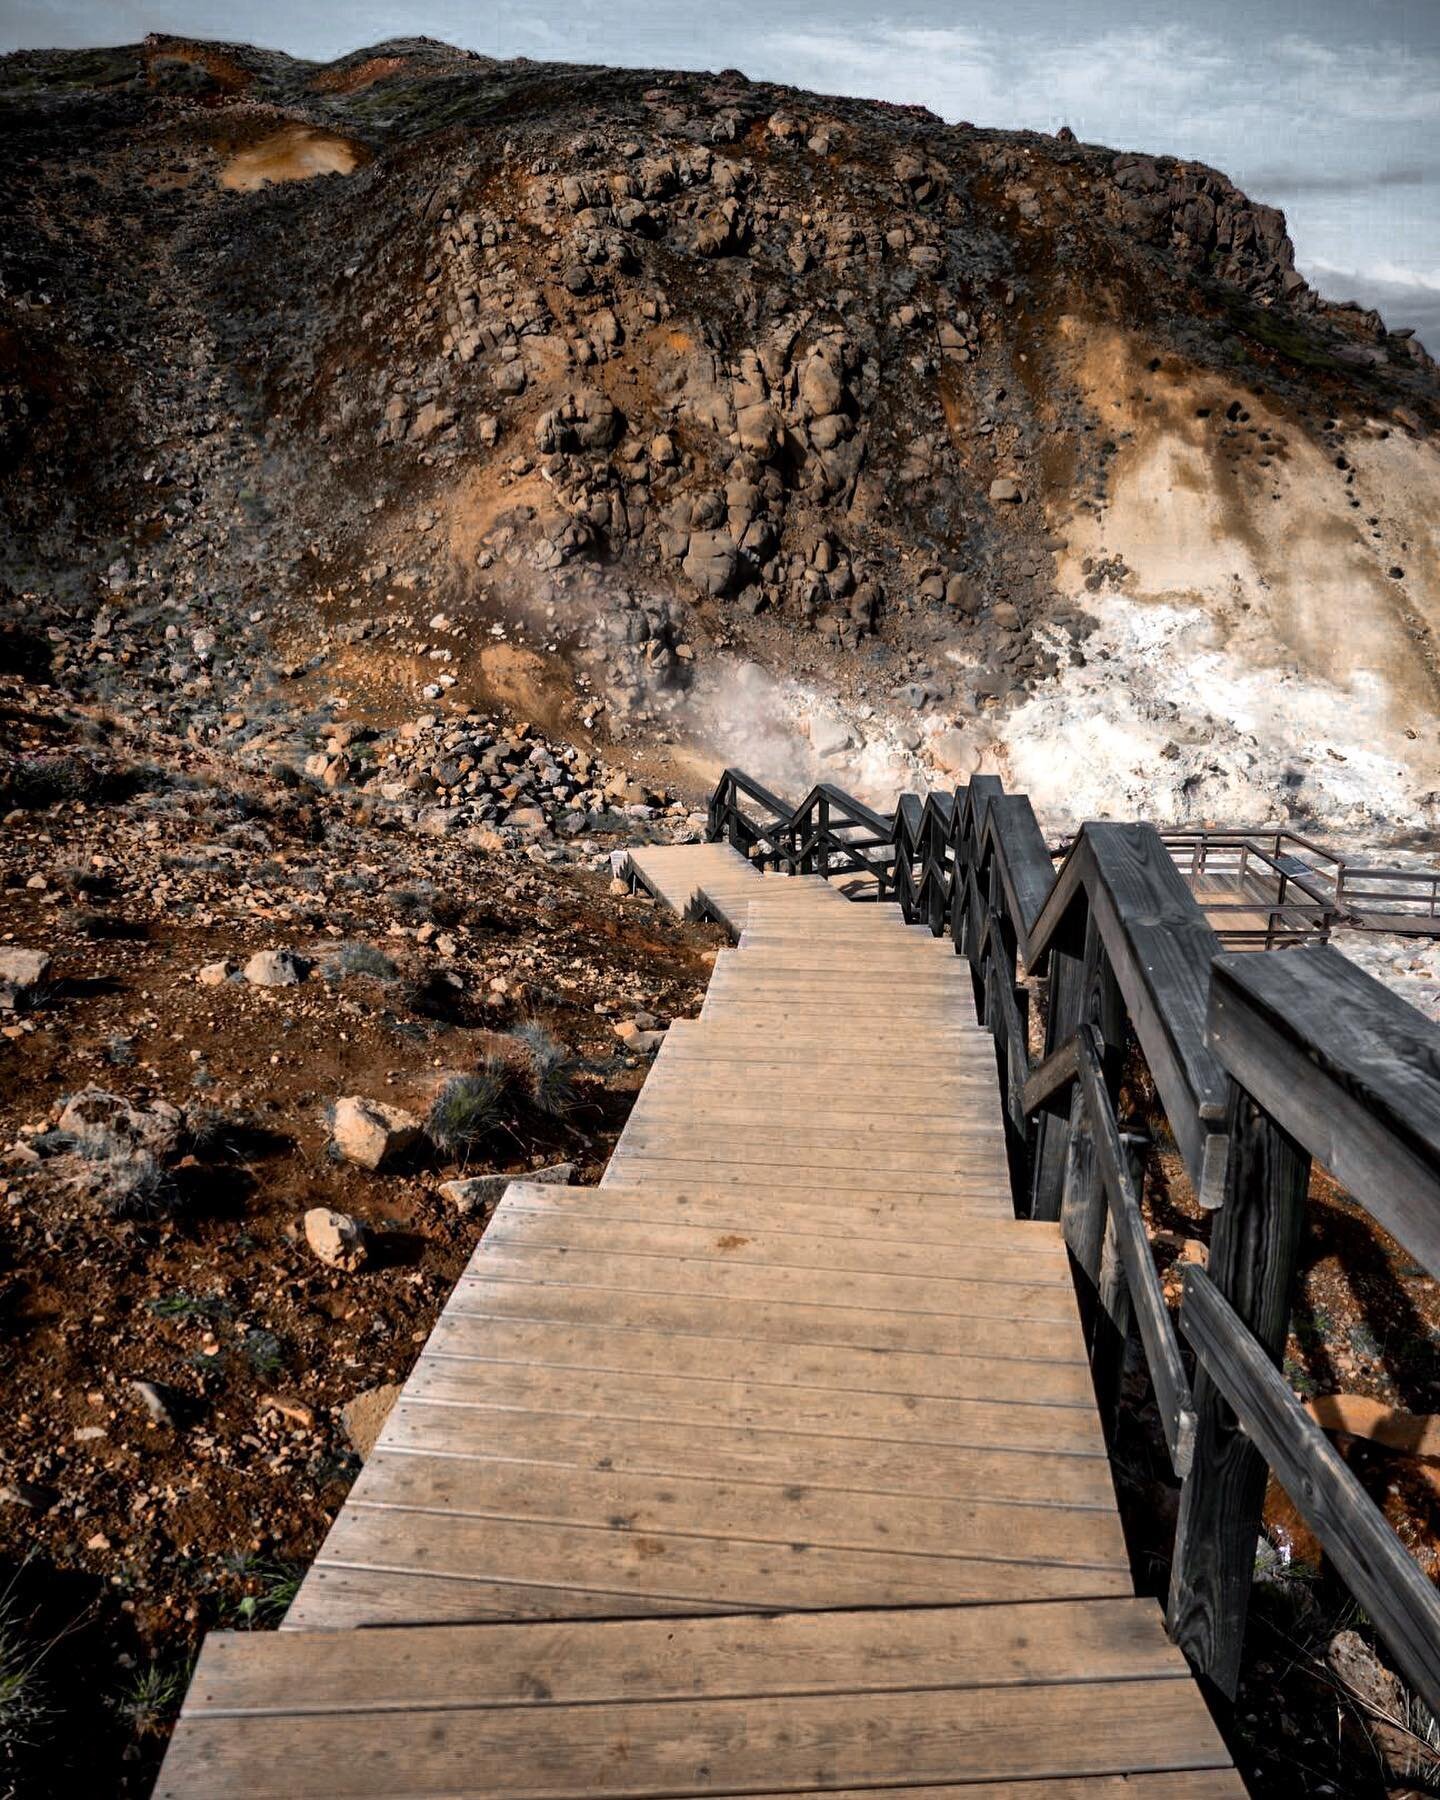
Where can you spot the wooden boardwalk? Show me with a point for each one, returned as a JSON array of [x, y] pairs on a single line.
[[769, 1465]]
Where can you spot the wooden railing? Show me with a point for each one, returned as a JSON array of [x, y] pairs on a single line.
[[1300, 889], [1261, 890], [1260, 1062], [828, 831]]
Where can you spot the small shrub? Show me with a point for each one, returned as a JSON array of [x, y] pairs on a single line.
[[151, 1698], [551, 1072], [39, 781], [263, 1351], [129, 1184], [181, 1305], [276, 1587], [85, 921], [24, 1705], [412, 905], [469, 1108], [359, 959]]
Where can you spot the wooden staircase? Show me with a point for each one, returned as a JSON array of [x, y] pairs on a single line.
[[768, 1466]]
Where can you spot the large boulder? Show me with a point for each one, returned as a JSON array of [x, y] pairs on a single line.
[[759, 428], [821, 388], [711, 561], [584, 420], [371, 1133]]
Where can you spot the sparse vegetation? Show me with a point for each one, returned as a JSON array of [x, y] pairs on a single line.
[[551, 1071], [347, 960], [471, 1108], [25, 1703], [149, 1700]]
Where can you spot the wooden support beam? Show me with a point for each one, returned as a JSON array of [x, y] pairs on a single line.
[[1253, 1250], [1162, 1352]]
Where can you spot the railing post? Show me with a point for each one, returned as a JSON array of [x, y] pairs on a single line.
[[1082, 990], [1112, 1321], [1252, 1259]]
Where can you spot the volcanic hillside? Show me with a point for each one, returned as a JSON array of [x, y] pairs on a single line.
[[597, 395]]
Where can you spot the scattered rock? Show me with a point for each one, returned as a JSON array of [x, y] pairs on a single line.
[[478, 1193], [337, 1239], [364, 1416], [276, 968], [215, 974], [636, 1037], [294, 1412], [21, 973], [109, 1124], [371, 1133]]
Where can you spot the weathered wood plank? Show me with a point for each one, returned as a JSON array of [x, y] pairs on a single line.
[[762, 1453], [631, 1349], [1152, 1316], [1161, 949], [623, 1268], [811, 1413], [741, 1573], [455, 1668], [688, 1313], [762, 1245], [808, 1743]]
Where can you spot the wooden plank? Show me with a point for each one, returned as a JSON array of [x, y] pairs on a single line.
[[967, 1196], [1370, 1559], [335, 1598], [813, 1413], [1161, 949], [688, 1313], [760, 1453], [800, 1136], [685, 1568], [821, 1155], [609, 1346], [627, 1268], [973, 1190], [728, 1211], [799, 1125], [759, 1244], [459, 1668], [722, 1506], [1152, 1316], [805, 1743], [1349, 1069]]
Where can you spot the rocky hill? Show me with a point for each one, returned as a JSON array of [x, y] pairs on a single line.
[[703, 418]]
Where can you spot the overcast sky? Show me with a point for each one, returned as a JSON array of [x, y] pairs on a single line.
[[1328, 108]]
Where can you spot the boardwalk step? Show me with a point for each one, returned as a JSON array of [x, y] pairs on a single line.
[[1065, 1695]]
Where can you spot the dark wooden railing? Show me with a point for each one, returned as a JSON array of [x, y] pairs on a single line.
[[829, 831], [1260, 1061]]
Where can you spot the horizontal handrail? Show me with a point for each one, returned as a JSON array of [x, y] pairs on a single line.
[[1375, 1565]]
